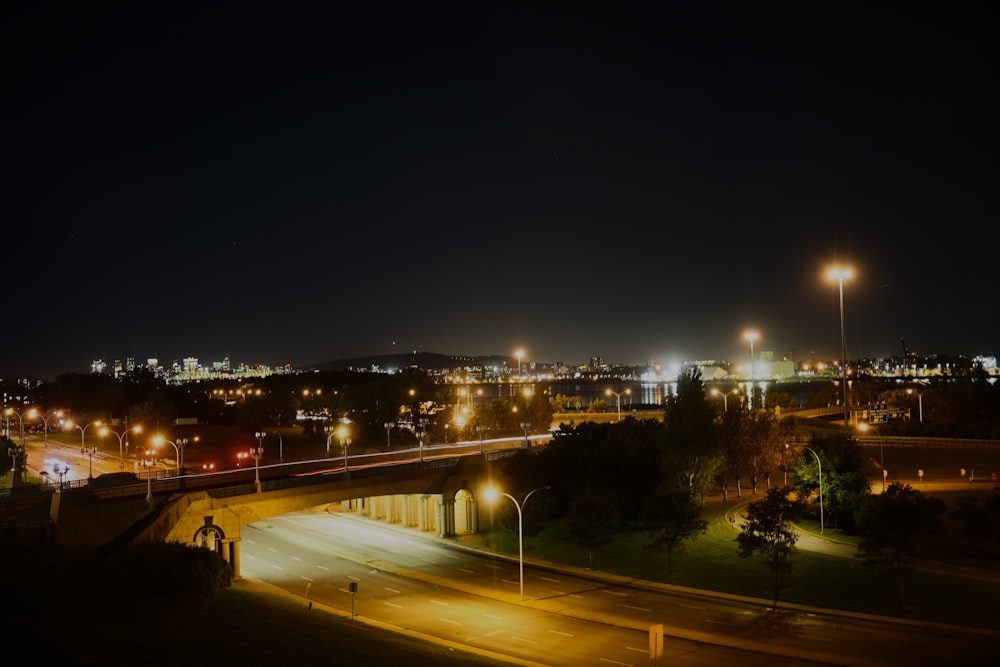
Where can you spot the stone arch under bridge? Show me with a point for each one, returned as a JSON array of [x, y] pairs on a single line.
[[200, 519]]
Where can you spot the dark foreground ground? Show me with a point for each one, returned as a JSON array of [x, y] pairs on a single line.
[[61, 608]]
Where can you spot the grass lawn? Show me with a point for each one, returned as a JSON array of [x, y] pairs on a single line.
[[712, 562]]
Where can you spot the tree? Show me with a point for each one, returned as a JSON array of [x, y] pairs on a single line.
[[591, 520], [977, 521], [672, 518], [768, 533], [845, 484], [690, 446], [894, 526]]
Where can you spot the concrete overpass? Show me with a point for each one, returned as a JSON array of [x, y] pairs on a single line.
[[436, 492]]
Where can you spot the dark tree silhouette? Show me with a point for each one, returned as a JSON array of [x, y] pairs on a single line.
[[895, 525], [768, 533], [591, 520], [672, 518]]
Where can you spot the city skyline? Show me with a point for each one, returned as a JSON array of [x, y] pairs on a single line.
[[292, 186]]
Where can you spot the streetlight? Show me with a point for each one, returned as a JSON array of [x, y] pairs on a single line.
[[519, 354], [820, 466], [122, 441], [480, 430], [178, 447], [491, 495], [840, 274], [881, 451], [421, 434], [45, 420], [618, 396], [83, 441], [345, 442], [725, 397], [920, 402], [526, 443], [89, 452], [83, 430], [256, 454], [148, 462], [20, 421], [388, 433], [752, 336]]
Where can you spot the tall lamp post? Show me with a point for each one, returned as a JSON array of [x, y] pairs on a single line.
[[752, 337], [345, 442], [20, 421], [83, 430], [421, 434], [820, 466], [256, 453], [840, 274], [480, 430], [122, 441], [34, 413], [148, 461], [388, 433], [725, 398], [519, 354], [491, 495], [178, 448], [618, 396], [920, 402], [83, 442]]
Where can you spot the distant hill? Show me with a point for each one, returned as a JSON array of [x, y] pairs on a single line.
[[422, 360]]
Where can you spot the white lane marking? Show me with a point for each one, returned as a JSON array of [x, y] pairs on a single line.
[[391, 590], [393, 605], [438, 602], [564, 634]]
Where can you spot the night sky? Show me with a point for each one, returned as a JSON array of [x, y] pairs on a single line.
[[285, 184]]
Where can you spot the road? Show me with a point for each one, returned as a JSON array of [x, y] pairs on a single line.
[[425, 585]]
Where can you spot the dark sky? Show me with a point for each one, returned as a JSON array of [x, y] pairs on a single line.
[[642, 182]]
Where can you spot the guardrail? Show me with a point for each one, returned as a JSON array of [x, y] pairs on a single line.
[[942, 443]]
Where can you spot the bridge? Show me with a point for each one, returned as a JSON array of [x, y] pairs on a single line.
[[432, 489]]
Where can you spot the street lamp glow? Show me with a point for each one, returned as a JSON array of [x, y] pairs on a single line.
[[752, 336], [20, 421], [724, 395], [34, 413], [345, 442], [491, 495], [618, 396], [839, 274], [122, 440], [178, 447], [519, 354]]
